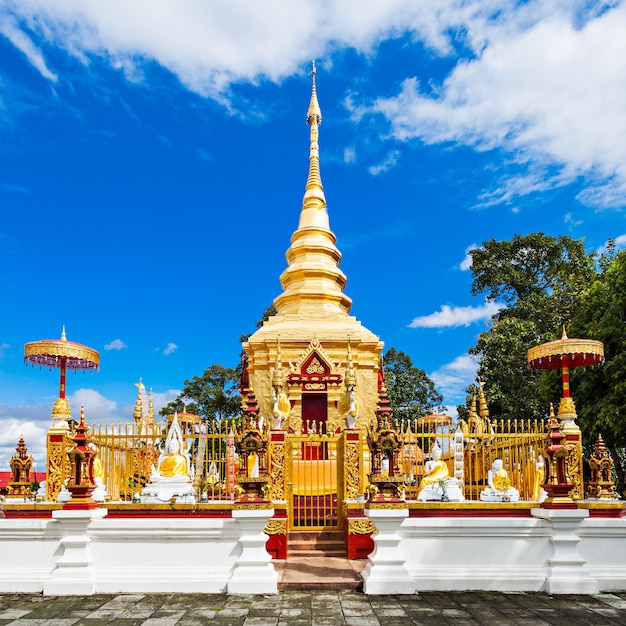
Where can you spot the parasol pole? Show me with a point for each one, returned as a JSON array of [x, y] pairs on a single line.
[[63, 369], [565, 379], [62, 377]]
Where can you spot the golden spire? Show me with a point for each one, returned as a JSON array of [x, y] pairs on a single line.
[[138, 412], [313, 279], [484, 409], [150, 407], [472, 411]]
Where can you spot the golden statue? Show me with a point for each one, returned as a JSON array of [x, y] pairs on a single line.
[[434, 470], [174, 463], [500, 488], [498, 477], [99, 494], [172, 478], [538, 494]]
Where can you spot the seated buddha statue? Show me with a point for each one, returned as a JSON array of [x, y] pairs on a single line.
[[434, 469], [500, 488], [437, 483], [172, 478], [173, 464]]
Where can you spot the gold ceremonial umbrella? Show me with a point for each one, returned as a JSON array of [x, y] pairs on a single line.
[[62, 354], [565, 354]]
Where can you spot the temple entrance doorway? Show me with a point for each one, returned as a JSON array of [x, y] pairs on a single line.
[[312, 480], [314, 412]]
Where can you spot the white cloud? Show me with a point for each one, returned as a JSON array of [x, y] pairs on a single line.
[[389, 163], [569, 219], [163, 399], [116, 344], [210, 45], [456, 316], [349, 154], [33, 421], [466, 263], [3, 348], [543, 88], [97, 407], [452, 379], [541, 80], [30, 421], [171, 347], [22, 42]]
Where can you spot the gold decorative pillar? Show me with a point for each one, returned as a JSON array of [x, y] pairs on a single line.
[[276, 455]]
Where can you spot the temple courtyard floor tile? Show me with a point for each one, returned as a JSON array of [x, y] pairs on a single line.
[[314, 608]]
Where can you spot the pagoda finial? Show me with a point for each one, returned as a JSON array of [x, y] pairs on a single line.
[[63, 336], [313, 279]]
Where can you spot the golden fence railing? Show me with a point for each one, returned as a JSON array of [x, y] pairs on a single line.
[[469, 455], [128, 453]]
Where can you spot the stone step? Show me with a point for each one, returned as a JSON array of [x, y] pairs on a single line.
[[338, 552], [312, 543], [319, 572]]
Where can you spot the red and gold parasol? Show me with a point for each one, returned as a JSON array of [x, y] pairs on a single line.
[[434, 421], [62, 354], [566, 354]]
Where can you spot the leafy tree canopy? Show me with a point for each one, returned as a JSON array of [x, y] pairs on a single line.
[[541, 279], [213, 396], [411, 392], [548, 282]]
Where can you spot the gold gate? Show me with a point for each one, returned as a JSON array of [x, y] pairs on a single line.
[[313, 481]]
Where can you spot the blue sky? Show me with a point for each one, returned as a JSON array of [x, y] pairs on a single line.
[[153, 157]]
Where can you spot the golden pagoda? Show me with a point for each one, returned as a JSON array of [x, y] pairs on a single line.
[[307, 342]]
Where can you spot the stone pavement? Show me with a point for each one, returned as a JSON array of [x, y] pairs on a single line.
[[314, 608]]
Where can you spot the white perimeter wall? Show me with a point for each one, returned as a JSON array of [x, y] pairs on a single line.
[[200, 555], [514, 554]]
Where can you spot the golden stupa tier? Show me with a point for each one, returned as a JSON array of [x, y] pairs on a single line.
[[307, 340], [313, 280]]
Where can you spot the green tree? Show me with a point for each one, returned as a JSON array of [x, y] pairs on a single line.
[[214, 395], [411, 392], [540, 279], [600, 392]]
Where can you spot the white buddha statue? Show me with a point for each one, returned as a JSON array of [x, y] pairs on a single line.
[[437, 483], [172, 478], [500, 488]]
